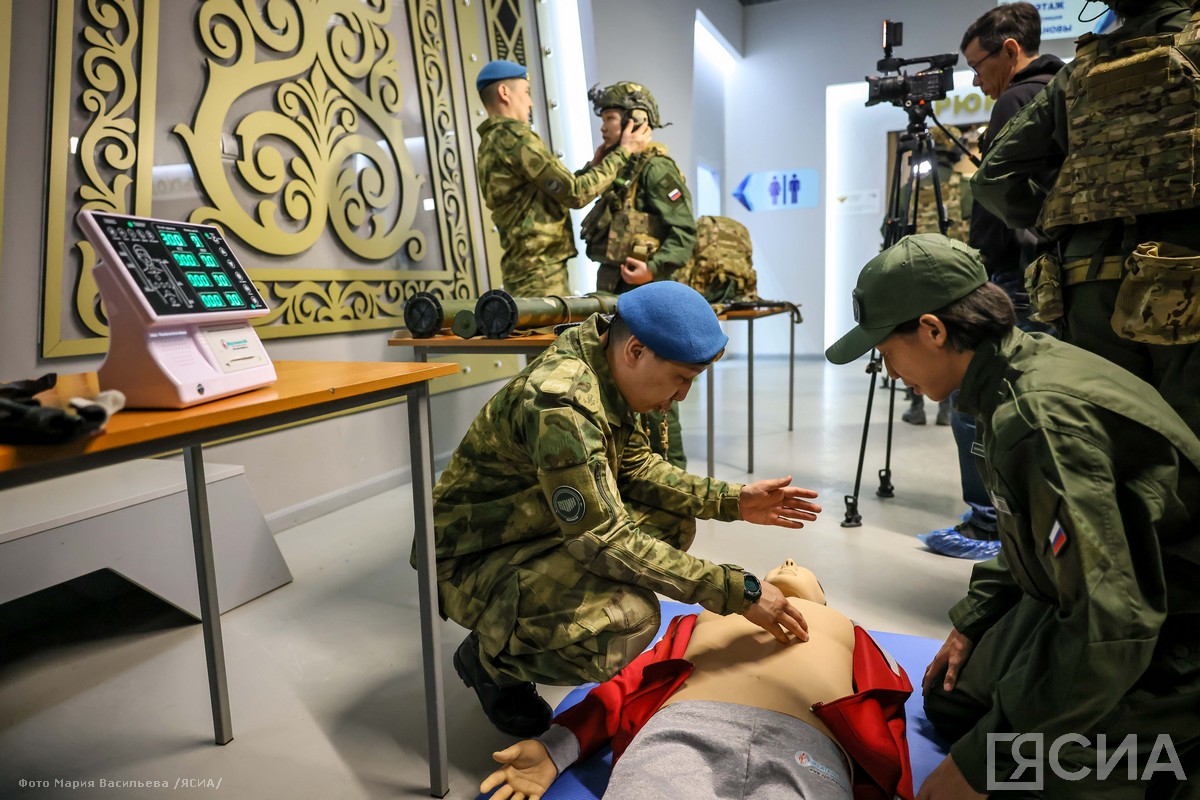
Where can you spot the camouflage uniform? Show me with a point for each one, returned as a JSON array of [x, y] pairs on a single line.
[[556, 525], [956, 197], [529, 191], [660, 192], [1093, 254], [1099, 631]]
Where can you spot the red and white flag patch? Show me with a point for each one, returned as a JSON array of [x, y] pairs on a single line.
[[674, 195], [1058, 540]]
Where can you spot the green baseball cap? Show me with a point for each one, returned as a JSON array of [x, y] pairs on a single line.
[[917, 275]]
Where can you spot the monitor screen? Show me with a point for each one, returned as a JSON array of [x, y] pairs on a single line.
[[179, 267]]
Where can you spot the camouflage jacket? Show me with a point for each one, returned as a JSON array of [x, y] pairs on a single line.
[[547, 464], [1096, 485], [662, 192], [528, 191], [1034, 142]]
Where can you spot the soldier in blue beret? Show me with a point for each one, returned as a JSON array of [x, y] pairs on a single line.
[[528, 190], [556, 525], [1086, 627]]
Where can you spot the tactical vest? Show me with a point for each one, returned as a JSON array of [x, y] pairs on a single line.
[[1133, 116], [614, 229], [954, 199], [722, 266]]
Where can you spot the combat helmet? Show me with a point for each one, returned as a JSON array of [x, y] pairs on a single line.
[[626, 95]]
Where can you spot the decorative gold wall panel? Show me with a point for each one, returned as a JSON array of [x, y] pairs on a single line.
[[506, 30], [295, 147]]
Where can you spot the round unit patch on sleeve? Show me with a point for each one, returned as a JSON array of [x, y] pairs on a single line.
[[568, 505]]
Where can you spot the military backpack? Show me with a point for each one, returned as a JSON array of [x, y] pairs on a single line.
[[722, 267]]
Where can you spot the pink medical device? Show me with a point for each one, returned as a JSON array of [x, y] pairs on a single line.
[[178, 305]]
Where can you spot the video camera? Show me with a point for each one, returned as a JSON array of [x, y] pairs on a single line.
[[904, 90]]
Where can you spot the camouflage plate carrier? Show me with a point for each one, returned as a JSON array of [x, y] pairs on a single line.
[[722, 267], [956, 202], [614, 229], [1133, 115]]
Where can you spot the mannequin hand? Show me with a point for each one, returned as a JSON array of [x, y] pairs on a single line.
[[635, 272], [774, 614], [528, 772], [951, 658], [774, 502]]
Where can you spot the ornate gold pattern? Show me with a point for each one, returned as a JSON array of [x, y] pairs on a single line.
[[332, 151], [116, 141], [437, 106], [506, 29]]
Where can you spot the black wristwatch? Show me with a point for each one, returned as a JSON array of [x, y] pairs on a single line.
[[753, 589]]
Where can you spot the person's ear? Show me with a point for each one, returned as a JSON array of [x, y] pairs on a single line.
[[634, 351], [1012, 46]]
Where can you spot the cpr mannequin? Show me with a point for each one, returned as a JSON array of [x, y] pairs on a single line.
[[720, 706]]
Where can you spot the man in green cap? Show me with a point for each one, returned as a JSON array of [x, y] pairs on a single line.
[[1118, 127], [641, 229], [555, 525], [1088, 622], [527, 188]]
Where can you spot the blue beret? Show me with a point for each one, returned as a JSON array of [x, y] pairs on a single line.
[[673, 320], [499, 71]]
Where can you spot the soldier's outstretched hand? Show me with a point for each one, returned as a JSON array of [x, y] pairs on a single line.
[[635, 139], [528, 772], [775, 502]]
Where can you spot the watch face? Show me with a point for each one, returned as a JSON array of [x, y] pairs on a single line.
[[752, 585]]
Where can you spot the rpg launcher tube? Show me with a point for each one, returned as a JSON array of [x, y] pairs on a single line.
[[498, 313], [426, 315]]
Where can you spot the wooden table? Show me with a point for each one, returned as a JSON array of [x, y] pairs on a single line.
[[534, 344], [304, 389]]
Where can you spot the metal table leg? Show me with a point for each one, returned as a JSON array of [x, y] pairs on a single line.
[[791, 372], [750, 392], [206, 581], [421, 457]]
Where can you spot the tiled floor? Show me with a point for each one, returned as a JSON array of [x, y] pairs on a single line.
[[324, 674]]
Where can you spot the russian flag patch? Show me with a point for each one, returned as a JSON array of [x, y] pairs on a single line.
[[674, 194], [1058, 540]]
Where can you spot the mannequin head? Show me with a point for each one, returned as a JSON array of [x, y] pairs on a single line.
[[796, 581]]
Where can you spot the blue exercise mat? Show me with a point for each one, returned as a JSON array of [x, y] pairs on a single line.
[[589, 779]]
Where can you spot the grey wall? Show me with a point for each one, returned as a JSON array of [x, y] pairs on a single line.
[[775, 119]]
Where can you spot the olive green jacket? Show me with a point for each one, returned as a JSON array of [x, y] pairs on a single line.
[[1035, 141], [546, 464], [661, 191], [1073, 442], [529, 192]]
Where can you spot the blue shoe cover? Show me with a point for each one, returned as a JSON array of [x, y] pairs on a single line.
[[949, 542]]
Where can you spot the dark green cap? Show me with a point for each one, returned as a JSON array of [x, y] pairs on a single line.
[[917, 275]]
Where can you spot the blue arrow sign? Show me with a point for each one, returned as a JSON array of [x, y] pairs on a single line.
[[779, 190]]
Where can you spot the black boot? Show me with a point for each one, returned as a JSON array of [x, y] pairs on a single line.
[[517, 710], [915, 415]]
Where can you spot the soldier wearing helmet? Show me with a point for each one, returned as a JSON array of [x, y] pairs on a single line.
[[527, 188], [641, 229]]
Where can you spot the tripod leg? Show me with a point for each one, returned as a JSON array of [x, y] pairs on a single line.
[[885, 475], [853, 518]]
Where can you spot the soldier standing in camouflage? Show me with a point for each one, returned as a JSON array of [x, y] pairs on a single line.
[[555, 524], [1088, 622], [527, 188], [641, 229], [1118, 124]]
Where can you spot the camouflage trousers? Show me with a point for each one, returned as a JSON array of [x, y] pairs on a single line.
[[519, 281], [608, 279], [1172, 369], [653, 420], [573, 626]]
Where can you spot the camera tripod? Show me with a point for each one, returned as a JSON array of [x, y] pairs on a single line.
[[901, 220]]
